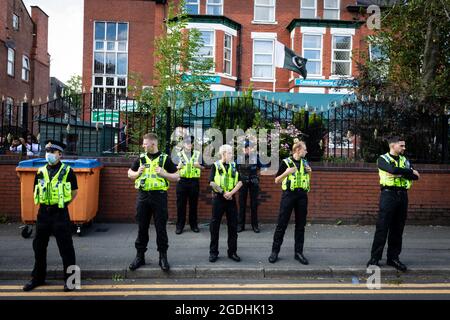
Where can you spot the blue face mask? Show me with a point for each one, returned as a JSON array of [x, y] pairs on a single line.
[[51, 158]]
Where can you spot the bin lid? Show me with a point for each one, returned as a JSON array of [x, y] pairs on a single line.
[[74, 164]]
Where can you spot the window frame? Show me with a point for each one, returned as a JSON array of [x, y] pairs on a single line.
[[213, 45], [321, 52], [263, 64], [191, 3], [214, 5], [11, 63], [338, 9], [265, 6], [115, 87], [344, 50], [16, 28], [26, 70], [231, 54], [309, 8]]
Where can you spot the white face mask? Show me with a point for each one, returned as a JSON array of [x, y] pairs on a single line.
[[51, 158]]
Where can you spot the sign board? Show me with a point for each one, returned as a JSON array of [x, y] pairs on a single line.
[[323, 82], [105, 116]]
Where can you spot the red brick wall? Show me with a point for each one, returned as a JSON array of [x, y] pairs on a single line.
[[15, 87], [347, 193]]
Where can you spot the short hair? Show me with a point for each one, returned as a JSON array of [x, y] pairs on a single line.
[[298, 144], [395, 139], [150, 136], [225, 148]]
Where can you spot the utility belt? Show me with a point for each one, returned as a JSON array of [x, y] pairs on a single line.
[[296, 190], [189, 180], [250, 179], [393, 189]]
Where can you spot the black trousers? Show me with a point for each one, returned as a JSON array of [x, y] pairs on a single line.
[[390, 224], [221, 206], [297, 201], [253, 189], [187, 190], [52, 221], [148, 204]]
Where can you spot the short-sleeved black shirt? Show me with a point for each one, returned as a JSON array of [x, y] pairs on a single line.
[[283, 166], [169, 166], [52, 170]]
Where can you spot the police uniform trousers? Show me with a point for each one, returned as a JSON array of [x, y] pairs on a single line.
[[187, 190], [390, 224], [152, 203], [52, 220], [291, 200], [253, 188], [221, 206]]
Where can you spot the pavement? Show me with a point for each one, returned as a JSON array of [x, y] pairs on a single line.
[[106, 250]]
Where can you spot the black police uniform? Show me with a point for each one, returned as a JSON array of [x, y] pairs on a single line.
[[393, 207], [188, 189], [221, 206], [296, 200], [248, 171], [152, 202], [52, 220]]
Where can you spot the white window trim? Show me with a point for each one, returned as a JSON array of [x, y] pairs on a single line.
[[333, 76], [231, 54], [211, 26], [321, 52], [267, 6], [253, 78], [27, 69], [264, 35], [342, 31], [213, 70], [321, 30], [116, 76], [223, 75], [13, 62], [331, 8], [309, 8], [214, 5], [198, 5]]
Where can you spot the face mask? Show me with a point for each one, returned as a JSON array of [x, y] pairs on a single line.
[[51, 158]]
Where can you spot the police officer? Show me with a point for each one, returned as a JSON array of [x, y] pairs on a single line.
[[248, 171], [55, 187], [396, 175], [188, 187], [225, 182], [152, 172], [294, 173]]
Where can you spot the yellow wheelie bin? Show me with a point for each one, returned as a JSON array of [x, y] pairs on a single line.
[[82, 210]]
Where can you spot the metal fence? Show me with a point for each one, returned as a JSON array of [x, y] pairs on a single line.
[[106, 124]]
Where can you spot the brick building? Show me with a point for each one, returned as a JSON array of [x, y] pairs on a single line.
[[240, 37], [25, 62]]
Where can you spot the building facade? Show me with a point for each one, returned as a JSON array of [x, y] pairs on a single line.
[[240, 37], [25, 62]]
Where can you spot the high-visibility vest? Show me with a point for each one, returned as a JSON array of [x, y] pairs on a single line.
[[188, 170], [57, 191], [149, 179], [388, 180], [297, 180], [226, 179]]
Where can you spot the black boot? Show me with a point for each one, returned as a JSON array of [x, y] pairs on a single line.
[[163, 263], [138, 261], [32, 284]]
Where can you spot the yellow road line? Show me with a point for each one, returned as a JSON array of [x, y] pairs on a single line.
[[217, 292], [237, 286]]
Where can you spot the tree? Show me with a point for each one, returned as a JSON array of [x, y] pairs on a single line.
[[73, 91], [181, 73], [410, 79]]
